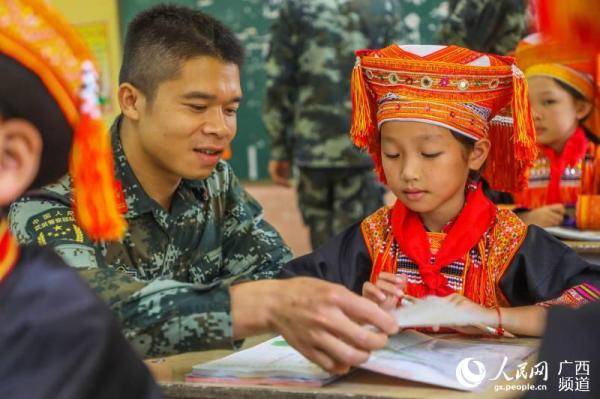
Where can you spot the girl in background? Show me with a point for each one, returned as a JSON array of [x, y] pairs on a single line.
[[562, 93]]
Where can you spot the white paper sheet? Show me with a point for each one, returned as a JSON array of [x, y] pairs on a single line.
[[431, 311]]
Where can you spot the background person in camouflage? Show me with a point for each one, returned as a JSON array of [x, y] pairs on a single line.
[[183, 276], [488, 26], [307, 106]]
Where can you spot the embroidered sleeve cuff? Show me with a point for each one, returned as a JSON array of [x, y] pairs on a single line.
[[575, 297]]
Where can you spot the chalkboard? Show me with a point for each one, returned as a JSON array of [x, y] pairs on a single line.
[[251, 21]]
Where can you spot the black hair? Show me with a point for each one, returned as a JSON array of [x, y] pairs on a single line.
[[161, 38], [467, 142], [468, 145], [577, 96]]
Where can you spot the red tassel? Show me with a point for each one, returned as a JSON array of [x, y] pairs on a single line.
[[514, 150], [499, 171]]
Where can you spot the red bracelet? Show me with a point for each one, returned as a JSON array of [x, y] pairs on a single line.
[[499, 329]]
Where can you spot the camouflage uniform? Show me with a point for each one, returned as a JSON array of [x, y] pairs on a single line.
[[307, 107], [489, 26], [335, 199], [168, 280]]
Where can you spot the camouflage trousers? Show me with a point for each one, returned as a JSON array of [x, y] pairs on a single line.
[[331, 199]]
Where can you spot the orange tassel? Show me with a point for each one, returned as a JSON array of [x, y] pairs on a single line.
[[523, 139], [587, 170], [96, 193], [363, 125], [91, 168], [595, 172], [592, 122], [384, 262]]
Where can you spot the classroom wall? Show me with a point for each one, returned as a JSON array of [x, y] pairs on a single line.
[[98, 23]]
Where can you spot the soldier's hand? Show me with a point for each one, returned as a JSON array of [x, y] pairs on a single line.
[[281, 172], [323, 321]]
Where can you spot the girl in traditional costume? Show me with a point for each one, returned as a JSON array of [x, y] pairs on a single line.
[[563, 96], [429, 117]]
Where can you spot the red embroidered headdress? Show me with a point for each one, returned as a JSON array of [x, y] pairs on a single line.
[[449, 86]]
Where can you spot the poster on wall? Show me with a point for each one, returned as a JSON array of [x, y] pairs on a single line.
[[96, 36]]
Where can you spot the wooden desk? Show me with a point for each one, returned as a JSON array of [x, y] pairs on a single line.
[[360, 384], [589, 250]]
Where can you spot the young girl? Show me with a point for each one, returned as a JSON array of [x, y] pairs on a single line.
[[562, 93], [427, 115]]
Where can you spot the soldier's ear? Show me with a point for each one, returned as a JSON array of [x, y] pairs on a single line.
[[20, 153], [131, 101]]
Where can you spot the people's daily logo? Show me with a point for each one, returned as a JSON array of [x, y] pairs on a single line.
[[467, 376]]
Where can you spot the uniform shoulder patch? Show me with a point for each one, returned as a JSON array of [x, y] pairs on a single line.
[[55, 226]]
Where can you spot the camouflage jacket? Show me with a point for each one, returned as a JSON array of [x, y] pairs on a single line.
[[307, 105], [490, 26], [168, 279]]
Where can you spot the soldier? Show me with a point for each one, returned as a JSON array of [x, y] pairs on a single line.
[[307, 107], [57, 339], [487, 26], [183, 277]]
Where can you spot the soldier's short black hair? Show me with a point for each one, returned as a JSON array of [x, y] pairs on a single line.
[[161, 38]]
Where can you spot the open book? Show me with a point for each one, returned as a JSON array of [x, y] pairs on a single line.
[[409, 355]]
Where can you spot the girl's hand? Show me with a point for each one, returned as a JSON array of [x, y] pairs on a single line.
[[545, 216], [387, 291], [489, 317]]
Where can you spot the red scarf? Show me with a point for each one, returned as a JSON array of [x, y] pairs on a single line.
[[574, 151], [472, 222], [9, 250]]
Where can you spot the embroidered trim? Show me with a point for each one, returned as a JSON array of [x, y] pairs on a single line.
[[575, 296], [535, 195], [506, 238], [476, 276]]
